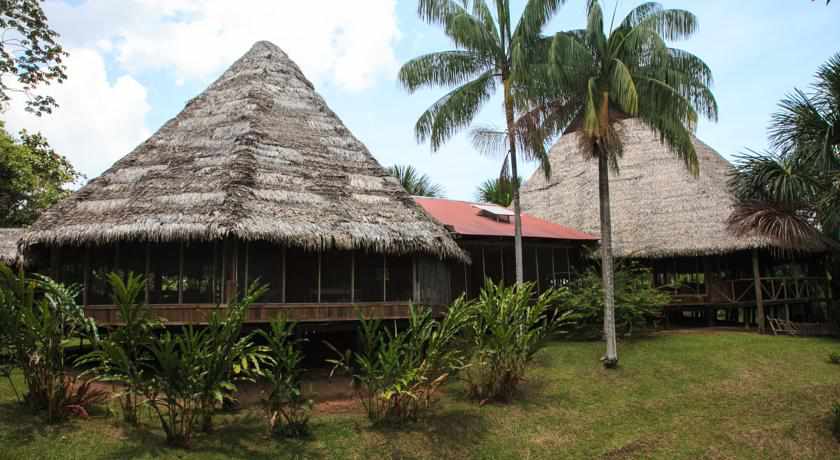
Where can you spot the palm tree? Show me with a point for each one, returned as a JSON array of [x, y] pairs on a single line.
[[596, 78], [790, 194], [489, 52], [414, 182], [497, 191]]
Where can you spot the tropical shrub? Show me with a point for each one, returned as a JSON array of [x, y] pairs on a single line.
[[38, 317], [637, 301], [397, 372], [191, 373], [286, 408], [121, 356], [507, 326]]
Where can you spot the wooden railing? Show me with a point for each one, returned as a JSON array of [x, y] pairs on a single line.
[[176, 314], [773, 289]]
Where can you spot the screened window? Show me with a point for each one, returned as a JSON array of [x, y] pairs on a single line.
[[562, 266], [370, 277], [476, 271], [509, 264], [459, 279], [336, 276], [72, 268], [301, 275], [265, 263], [197, 278], [102, 259], [164, 270], [400, 278], [530, 264], [132, 258], [493, 263], [546, 268]]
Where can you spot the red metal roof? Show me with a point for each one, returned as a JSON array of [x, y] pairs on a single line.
[[464, 218]]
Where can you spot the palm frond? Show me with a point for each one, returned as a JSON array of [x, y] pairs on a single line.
[[454, 111], [534, 17], [415, 182], [623, 89], [784, 226], [445, 68]]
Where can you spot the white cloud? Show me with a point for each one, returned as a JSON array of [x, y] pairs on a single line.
[[97, 122], [347, 42]]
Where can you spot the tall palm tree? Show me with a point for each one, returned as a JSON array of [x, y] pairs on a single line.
[[790, 193], [489, 53], [497, 191], [597, 77], [414, 182]]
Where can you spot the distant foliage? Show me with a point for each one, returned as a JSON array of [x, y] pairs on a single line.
[[507, 326], [497, 191], [38, 317], [33, 177], [637, 301], [30, 55], [287, 409], [397, 373], [414, 182]]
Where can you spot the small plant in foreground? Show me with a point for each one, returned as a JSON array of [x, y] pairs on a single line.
[[397, 373], [507, 327], [834, 357], [121, 355], [38, 317], [287, 410], [190, 373]]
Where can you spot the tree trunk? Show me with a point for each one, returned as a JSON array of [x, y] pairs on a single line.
[[610, 360], [517, 210]]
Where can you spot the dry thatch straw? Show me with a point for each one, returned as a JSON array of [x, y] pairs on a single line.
[[256, 156], [658, 208], [9, 238]]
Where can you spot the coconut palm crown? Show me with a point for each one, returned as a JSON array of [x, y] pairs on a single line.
[[596, 77], [790, 193], [414, 182], [489, 52]]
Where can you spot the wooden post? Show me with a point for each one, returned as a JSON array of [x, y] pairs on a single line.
[[759, 296], [285, 281], [384, 277], [86, 276], [146, 252], [352, 276], [181, 272]]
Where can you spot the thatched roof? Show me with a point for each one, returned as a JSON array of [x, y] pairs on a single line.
[[9, 238], [658, 208], [258, 156]]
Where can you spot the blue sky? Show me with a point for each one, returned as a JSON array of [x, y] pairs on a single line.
[[135, 63]]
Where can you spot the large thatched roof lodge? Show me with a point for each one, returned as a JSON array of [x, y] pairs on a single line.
[[552, 253], [255, 178], [677, 225]]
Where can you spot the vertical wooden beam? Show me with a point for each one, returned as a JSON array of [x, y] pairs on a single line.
[[213, 273], [415, 292], [537, 265], [85, 276], [246, 265], [353, 276], [224, 274], [181, 272], [319, 277], [759, 297], [483, 266], [553, 268], [384, 277], [147, 269], [285, 280]]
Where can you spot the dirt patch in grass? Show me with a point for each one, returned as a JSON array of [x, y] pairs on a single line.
[[634, 449]]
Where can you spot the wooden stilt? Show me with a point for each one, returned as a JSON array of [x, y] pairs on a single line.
[[759, 297]]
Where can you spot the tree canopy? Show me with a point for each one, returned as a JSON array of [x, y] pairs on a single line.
[[497, 191], [33, 177], [30, 55]]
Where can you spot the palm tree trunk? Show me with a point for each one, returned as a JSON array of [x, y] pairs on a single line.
[[517, 211], [611, 358]]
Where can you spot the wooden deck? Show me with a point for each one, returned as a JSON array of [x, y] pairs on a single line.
[[178, 314]]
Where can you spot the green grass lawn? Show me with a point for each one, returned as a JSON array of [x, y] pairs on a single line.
[[676, 395]]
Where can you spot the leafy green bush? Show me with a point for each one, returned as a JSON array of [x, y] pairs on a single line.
[[637, 301], [506, 327], [189, 374], [287, 409], [38, 317], [397, 373], [121, 355]]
